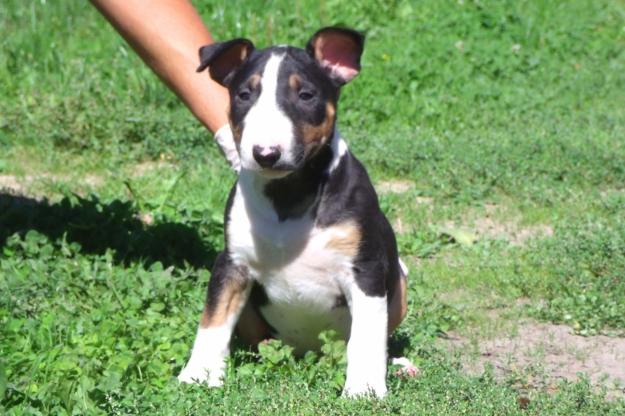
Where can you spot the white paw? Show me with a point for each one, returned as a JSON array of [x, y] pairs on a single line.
[[358, 388], [197, 373], [407, 368]]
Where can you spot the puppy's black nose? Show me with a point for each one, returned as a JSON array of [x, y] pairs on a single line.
[[266, 156]]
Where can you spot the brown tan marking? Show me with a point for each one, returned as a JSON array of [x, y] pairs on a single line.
[[320, 133], [251, 327], [295, 82], [312, 133], [346, 238], [228, 303], [254, 81], [398, 305]]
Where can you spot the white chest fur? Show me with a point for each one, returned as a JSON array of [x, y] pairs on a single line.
[[300, 266]]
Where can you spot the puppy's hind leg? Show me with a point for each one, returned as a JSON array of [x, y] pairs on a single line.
[[228, 291], [251, 327]]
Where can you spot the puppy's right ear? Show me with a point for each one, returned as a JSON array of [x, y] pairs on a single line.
[[224, 58], [337, 51]]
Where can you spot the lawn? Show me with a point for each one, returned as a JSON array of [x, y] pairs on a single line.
[[493, 131]]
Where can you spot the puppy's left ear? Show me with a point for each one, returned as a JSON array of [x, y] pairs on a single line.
[[337, 51]]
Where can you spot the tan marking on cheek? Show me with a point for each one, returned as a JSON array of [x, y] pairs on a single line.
[[346, 238], [228, 302], [320, 133]]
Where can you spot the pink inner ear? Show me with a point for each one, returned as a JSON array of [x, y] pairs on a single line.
[[338, 54]]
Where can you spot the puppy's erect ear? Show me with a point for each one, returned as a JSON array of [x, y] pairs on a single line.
[[224, 58], [338, 52]]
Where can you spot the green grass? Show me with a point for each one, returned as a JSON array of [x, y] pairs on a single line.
[[512, 104]]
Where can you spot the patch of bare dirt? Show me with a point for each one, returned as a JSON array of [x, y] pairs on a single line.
[[612, 192], [551, 353], [93, 180], [490, 227], [144, 168], [394, 186], [12, 183], [30, 185], [511, 231], [424, 200], [398, 226]]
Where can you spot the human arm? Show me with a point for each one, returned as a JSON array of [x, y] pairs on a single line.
[[167, 36]]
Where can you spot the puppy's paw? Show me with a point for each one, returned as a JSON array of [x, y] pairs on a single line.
[[406, 368], [355, 388], [198, 373]]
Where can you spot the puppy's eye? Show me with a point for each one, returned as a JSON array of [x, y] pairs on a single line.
[[306, 95], [244, 95]]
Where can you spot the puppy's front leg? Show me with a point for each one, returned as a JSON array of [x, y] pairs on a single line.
[[228, 291], [366, 349]]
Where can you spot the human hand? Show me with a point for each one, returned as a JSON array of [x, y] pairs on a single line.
[[224, 139]]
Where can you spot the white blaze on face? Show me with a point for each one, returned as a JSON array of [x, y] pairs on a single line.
[[265, 124]]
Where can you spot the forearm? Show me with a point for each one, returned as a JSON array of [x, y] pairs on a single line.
[[167, 34]]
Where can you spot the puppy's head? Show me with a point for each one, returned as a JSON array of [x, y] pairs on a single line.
[[283, 99]]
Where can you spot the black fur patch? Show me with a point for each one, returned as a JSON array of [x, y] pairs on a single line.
[[295, 194]]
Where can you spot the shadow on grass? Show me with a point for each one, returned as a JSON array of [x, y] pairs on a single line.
[[98, 227], [398, 343]]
